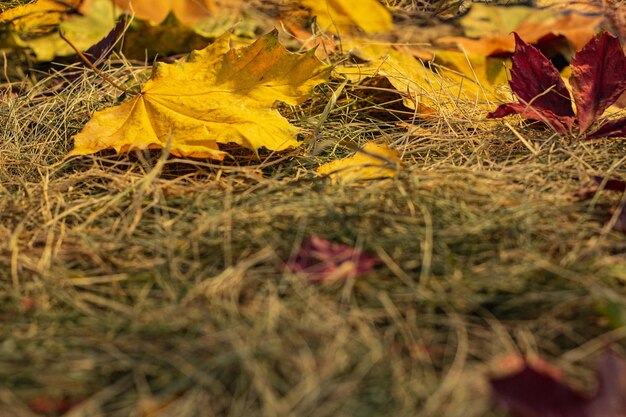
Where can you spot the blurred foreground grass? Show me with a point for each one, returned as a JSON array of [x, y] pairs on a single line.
[[135, 289]]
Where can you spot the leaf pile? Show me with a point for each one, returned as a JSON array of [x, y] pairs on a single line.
[[598, 79]]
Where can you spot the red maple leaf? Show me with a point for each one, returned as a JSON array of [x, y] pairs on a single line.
[[598, 79], [322, 260], [537, 391]]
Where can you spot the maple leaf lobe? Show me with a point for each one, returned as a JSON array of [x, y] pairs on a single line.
[[598, 77], [559, 123], [611, 129], [536, 81]]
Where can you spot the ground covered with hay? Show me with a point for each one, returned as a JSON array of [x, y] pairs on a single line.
[[143, 285]]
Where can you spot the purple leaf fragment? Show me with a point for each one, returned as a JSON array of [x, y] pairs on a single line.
[[321, 260]]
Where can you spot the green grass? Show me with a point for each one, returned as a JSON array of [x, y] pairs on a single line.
[[134, 286]]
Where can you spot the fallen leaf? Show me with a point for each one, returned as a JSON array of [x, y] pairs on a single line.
[[100, 51], [539, 392], [215, 95], [587, 7], [94, 22], [339, 16], [612, 129], [148, 41], [538, 85], [186, 11], [371, 162], [484, 20], [597, 82], [47, 405], [560, 124], [611, 184], [600, 183], [597, 78], [440, 90], [37, 17], [535, 80], [324, 261], [492, 24]]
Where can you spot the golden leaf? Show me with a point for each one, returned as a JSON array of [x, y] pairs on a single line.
[[83, 30], [343, 15], [459, 79], [38, 18], [35, 26], [487, 72], [186, 11], [493, 24], [371, 162], [215, 95]]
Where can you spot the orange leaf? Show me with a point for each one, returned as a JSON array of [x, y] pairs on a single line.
[[186, 11]]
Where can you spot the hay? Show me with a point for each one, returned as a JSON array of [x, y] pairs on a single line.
[[138, 287]]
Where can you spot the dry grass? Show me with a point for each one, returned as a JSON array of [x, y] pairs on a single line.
[[150, 287]]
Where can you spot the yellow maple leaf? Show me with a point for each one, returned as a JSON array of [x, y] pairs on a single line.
[[215, 95], [186, 11], [459, 79], [370, 162], [343, 15]]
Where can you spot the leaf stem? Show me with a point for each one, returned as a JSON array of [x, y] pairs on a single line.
[[87, 62]]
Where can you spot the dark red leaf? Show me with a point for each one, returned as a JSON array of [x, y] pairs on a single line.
[[588, 191], [99, 52], [610, 399], [611, 129], [536, 392], [560, 124], [598, 77], [322, 260], [620, 225], [536, 81], [47, 405], [611, 184]]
